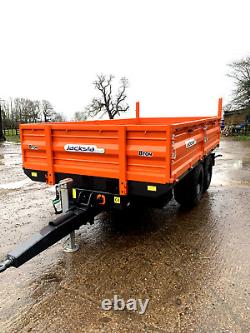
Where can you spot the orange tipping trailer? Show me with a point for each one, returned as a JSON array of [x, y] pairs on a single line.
[[113, 164]]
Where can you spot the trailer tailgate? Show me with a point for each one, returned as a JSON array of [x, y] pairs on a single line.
[[140, 153]]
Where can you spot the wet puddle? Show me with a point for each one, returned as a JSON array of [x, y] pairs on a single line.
[[233, 167]]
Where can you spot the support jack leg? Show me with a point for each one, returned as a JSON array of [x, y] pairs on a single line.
[[63, 190], [70, 244]]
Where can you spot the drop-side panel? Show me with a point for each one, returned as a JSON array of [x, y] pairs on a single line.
[[33, 147], [148, 153], [190, 144], [86, 151]]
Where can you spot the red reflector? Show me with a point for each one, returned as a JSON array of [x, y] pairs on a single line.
[[101, 199]]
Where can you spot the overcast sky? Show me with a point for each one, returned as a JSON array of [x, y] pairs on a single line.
[[174, 53]]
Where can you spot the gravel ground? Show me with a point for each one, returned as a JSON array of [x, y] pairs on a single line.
[[193, 266]]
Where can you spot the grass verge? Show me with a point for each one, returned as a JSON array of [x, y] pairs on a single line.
[[242, 137], [12, 138]]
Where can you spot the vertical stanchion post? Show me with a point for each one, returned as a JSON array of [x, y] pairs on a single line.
[[220, 108], [137, 111], [123, 187], [65, 186], [220, 101], [49, 152]]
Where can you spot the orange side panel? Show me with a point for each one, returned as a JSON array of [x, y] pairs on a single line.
[[191, 145]]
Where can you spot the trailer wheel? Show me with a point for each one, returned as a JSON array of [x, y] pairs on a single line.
[[208, 171], [189, 190]]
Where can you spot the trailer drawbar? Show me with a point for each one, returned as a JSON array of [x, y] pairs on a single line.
[[72, 219]]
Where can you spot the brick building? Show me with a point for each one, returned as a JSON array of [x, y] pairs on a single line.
[[237, 117]]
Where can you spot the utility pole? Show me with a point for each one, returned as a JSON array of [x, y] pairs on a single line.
[[2, 137]]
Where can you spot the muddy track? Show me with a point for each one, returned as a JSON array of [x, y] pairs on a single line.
[[193, 266]]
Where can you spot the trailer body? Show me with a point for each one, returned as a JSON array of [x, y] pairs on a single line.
[[125, 157]]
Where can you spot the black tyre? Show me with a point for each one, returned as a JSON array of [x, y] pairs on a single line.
[[208, 171], [189, 190]]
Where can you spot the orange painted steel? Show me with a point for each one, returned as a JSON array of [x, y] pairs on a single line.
[[137, 110], [220, 108], [153, 150], [49, 155]]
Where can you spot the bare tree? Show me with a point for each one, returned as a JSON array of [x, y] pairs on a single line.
[[22, 106], [107, 103], [23, 110], [2, 137], [48, 112], [34, 111], [80, 116], [240, 73], [18, 107], [57, 116], [46, 109]]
